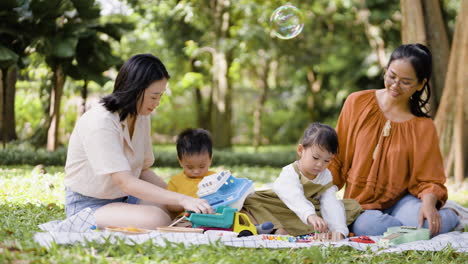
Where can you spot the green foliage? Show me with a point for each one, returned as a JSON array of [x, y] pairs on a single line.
[[23, 154], [333, 47], [28, 109], [273, 159], [26, 155], [7, 57], [229, 158], [30, 198]]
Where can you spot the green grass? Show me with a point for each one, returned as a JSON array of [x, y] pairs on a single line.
[[29, 198]]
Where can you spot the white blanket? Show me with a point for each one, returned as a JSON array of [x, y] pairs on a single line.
[[77, 229]]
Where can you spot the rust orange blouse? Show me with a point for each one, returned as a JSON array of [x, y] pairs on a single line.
[[407, 159]]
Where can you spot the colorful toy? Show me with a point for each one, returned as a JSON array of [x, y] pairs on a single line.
[[223, 189], [403, 234], [362, 239], [225, 217], [314, 237], [226, 194], [242, 224]]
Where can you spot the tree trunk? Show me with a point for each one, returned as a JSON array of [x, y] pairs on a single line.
[[7, 98], [202, 115], [373, 34], [262, 83], [460, 129], [458, 132], [221, 115], [84, 96], [412, 26], [2, 105], [315, 84], [202, 118], [452, 112], [423, 23], [58, 81], [437, 40], [465, 140]]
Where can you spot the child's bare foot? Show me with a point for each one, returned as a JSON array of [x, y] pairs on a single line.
[[281, 231]]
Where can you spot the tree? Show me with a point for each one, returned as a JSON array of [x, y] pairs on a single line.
[[451, 119], [15, 36], [94, 56], [69, 38], [423, 23], [207, 26]]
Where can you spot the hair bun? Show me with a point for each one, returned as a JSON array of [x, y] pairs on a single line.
[[424, 48]]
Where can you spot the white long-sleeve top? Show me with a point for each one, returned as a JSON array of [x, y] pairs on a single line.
[[289, 189]]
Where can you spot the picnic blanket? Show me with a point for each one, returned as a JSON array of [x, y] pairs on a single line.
[[77, 229]]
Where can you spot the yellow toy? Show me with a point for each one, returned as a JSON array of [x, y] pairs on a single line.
[[242, 223]]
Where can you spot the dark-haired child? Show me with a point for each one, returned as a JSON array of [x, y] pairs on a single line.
[[194, 152], [303, 199]]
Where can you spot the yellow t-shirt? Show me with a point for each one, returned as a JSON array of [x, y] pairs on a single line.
[[185, 185]]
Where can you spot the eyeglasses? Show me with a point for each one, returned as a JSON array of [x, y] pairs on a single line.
[[392, 79]]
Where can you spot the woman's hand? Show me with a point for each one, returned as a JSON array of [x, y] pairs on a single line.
[[318, 223], [429, 211], [196, 205]]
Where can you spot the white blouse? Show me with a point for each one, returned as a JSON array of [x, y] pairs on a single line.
[[99, 146]]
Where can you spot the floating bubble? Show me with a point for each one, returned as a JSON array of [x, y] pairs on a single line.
[[286, 22]]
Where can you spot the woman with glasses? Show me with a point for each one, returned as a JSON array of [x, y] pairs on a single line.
[[389, 158]]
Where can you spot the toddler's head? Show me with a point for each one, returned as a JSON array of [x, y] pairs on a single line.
[[317, 147], [194, 152]]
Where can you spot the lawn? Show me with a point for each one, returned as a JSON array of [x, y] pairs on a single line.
[[29, 198]]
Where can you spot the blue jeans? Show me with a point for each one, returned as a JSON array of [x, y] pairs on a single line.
[[75, 202], [405, 212]]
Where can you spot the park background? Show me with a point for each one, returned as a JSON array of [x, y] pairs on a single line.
[[230, 74]]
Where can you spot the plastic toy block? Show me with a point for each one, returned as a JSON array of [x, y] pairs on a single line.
[[403, 234], [223, 189], [223, 218]]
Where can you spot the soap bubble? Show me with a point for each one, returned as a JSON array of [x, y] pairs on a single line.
[[286, 22]]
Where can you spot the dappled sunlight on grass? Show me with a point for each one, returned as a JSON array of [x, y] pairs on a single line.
[[26, 185], [458, 192], [29, 197]]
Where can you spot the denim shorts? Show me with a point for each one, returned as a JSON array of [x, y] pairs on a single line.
[[75, 202]]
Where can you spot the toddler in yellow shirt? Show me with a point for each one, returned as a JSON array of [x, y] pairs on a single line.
[[194, 152]]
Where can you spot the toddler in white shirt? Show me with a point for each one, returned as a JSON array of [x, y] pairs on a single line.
[[303, 199], [315, 151]]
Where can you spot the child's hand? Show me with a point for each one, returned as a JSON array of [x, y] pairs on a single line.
[[318, 223], [196, 205]]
